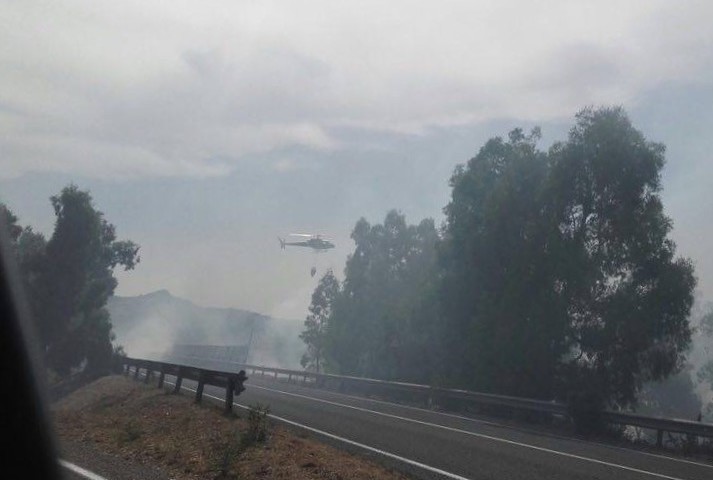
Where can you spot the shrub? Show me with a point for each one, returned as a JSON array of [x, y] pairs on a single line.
[[257, 424]]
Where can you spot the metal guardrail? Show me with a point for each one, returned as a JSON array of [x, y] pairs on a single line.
[[231, 381], [428, 394], [660, 424], [439, 396]]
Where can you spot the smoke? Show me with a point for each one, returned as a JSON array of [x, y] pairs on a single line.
[[687, 393], [278, 344], [701, 354], [150, 338], [150, 325]]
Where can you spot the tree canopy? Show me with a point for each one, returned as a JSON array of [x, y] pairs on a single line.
[[627, 296], [380, 322], [553, 275], [320, 310], [69, 279], [503, 324]]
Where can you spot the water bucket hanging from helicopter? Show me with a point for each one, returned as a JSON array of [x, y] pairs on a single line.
[[316, 242]]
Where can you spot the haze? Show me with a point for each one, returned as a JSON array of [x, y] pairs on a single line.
[[206, 129]]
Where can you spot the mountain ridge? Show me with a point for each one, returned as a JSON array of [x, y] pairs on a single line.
[[151, 323]]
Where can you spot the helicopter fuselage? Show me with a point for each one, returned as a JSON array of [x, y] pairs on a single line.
[[314, 243]]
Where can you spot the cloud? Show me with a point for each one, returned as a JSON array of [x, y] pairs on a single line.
[[191, 89], [284, 165]]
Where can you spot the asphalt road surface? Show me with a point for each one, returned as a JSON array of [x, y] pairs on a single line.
[[430, 444]]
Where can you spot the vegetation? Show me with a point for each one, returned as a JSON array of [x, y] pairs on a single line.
[[674, 397], [69, 279], [553, 276], [382, 317], [258, 424], [705, 372], [320, 310], [146, 426]]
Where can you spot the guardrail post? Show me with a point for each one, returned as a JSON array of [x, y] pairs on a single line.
[[234, 387], [229, 392], [229, 389], [659, 438], [239, 380], [179, 380], [161, 377], [199, 389]]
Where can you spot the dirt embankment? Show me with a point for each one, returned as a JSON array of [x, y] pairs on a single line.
[[149, 426]]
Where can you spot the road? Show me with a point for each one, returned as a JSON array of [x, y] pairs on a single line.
[[430, 444]]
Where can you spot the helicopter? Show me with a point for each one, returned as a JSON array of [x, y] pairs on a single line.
[[315, 242]]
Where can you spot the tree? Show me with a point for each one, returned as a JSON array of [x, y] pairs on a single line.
[[28, 248], [554, 276], [75, 281], [559, 278], [627, 297], [382, 324], [316, 324], [10, 220], [504, 331]]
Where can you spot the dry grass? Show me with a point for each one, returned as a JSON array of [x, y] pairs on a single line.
[[149, 426]]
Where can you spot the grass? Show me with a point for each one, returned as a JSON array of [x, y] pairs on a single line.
[[258, 425], [146, 425]]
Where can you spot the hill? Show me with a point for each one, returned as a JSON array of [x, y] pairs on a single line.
[[151, 324]]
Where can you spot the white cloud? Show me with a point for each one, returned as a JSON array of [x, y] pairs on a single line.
[[284, 165], [126, 89]]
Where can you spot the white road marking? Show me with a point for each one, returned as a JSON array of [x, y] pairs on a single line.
[[503, 425], [421, 465], [80, 471], [406, 407], [347, 441], [475, 434], [363, 446]]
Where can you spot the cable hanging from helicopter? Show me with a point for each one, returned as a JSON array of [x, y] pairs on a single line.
[[316, 242]]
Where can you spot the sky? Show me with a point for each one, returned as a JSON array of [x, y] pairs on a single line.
[[205, 130]]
